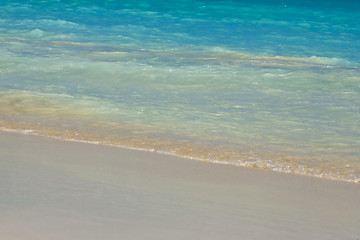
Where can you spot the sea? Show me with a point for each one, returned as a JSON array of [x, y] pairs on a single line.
[[255, 83]]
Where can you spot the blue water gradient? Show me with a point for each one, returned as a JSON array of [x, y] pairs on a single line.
[[256, 83], [327, 28]]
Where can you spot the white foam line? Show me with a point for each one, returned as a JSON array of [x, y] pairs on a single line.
[[265, 164]]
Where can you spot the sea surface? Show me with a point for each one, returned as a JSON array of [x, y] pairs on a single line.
[[266, 84]]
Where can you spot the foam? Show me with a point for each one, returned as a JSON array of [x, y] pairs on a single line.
[[200, 153], [330, 61]]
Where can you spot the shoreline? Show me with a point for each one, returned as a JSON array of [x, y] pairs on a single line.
[[53, 189], [290, 167]]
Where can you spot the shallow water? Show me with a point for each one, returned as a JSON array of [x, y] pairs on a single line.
[[269, 85]]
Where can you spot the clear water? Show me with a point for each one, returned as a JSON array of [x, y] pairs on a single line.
[[264, 84]]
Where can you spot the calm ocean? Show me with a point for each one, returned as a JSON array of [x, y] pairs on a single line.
[[267, 84]]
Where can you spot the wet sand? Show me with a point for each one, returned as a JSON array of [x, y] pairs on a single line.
[[52, 189]]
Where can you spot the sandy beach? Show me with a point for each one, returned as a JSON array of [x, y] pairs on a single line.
[[53, 189]]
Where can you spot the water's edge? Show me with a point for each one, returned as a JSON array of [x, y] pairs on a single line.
[[289, 166]]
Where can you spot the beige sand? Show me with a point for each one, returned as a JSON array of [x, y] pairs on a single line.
[[51, 189]]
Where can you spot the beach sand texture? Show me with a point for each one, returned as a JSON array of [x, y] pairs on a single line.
[[52, 189]]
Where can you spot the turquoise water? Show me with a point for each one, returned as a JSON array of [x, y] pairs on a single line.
[[252, 83]]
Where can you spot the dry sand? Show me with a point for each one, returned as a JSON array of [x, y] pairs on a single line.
[[52, 189]]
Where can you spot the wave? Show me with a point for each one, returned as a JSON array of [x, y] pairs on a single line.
[[213, 55]]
